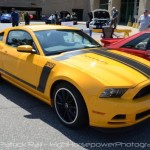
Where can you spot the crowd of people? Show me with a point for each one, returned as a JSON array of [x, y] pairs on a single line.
[[144, 19], [15, 17], [57, 17], [53, 18]]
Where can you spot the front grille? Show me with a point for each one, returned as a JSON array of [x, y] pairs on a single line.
[[99, 23], [142, 114], [143, 92]]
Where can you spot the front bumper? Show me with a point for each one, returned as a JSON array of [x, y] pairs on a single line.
[[119, 113]]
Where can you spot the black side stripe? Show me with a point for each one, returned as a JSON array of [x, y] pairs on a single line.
[[44, 76], [142, 68], [20, 80]]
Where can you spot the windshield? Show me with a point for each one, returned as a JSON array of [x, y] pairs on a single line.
[[58, 41]]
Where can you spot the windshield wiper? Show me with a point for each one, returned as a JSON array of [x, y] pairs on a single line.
[[54, 53], [91, 46]]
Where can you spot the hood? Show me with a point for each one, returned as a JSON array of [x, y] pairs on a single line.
[[101, 14], [107, 67]]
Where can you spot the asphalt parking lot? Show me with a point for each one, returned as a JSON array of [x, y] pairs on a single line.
[[29, 124]]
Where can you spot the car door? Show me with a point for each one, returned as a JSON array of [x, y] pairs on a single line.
[[2, 44], [137, 46], [20, 65]]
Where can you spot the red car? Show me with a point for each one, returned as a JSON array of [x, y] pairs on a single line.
[[137, 44]]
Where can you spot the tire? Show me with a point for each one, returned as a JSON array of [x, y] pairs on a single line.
[[70, 106]]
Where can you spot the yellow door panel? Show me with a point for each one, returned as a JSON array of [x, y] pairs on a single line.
[[10, 55], [27, 68]]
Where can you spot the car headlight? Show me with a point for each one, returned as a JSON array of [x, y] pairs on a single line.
[[111, 93]]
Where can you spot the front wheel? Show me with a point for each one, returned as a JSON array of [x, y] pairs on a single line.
[[70, 106]]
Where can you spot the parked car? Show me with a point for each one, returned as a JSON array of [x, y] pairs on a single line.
[[67, 69], [5, 18], [98, 18], [137, 44]]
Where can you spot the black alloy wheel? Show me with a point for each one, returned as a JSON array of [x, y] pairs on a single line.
[[70, 106]]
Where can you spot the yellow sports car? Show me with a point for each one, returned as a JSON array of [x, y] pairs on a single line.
[[69, 70]]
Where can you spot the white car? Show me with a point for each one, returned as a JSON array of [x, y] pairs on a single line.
[[98, 19]]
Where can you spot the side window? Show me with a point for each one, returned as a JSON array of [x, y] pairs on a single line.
[[140, 42], [75, 38], [18, 37], [1, 36]]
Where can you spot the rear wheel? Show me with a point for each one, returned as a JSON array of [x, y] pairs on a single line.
[[70, 106]]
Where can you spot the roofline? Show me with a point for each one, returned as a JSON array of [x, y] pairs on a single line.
[[39, 27]]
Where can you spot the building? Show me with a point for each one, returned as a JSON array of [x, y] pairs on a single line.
[[47, 7], [128, 9]]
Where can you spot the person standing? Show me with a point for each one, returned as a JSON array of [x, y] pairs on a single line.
[[144, 21], [114, 17], [22, 15], [27, 18], [56, 17], [14, 17], [52, 19]]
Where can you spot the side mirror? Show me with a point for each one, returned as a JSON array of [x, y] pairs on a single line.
[[26, 49]]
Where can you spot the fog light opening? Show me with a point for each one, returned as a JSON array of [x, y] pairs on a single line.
[[118, 117]]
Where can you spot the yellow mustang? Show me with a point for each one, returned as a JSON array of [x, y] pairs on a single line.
[[67, 69]]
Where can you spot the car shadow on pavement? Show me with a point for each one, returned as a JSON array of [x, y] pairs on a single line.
[[88, 138]]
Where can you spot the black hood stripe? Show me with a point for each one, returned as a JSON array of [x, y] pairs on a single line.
[[142, 68]]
